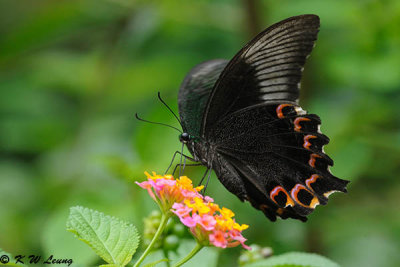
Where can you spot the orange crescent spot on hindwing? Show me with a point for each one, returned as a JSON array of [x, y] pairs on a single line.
[[274, 192], [314, 203], [313, 158], [297, 126], [311, 180], [280, 211], [279, 110], [307, 138], [294, 192]]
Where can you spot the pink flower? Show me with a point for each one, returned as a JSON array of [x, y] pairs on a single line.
[[219, 239], [208, 199], [148, 186], [189, 194], [189, 221], [181, 210], [207, 222]]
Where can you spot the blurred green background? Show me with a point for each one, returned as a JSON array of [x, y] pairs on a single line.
[[73, 73]]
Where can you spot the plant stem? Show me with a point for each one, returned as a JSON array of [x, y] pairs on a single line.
[[165, 252], [252, 9], [194, 251], [163, 223]]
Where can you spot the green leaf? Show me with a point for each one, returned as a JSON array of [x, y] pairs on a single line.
[[295, 259], [112, 239]]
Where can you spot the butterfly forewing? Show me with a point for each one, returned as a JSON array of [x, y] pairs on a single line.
[[267, 69], [194, 93]]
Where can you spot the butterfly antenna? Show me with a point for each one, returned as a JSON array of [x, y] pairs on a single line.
[[159, 123], [165, 104]]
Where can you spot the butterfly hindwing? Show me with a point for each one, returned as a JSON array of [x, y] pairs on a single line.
[[286, 167]]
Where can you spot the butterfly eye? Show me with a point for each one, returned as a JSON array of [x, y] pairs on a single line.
[[184, 137]]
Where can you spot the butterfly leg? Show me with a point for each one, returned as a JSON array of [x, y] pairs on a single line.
[[173, 158], [180, 165], [204, 176], [203, 192], [177, 165], [208, 179]]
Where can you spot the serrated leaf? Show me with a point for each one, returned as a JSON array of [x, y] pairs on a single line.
[[114, 240], [295, 259]]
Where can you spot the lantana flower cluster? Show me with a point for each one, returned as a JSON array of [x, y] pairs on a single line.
[[209, 224]]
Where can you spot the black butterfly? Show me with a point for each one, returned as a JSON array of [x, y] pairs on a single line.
[[242, 119]]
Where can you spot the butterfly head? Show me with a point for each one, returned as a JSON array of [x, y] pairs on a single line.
[[186, 138]]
